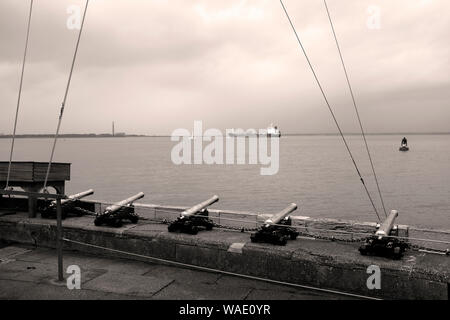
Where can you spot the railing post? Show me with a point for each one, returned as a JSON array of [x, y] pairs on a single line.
[[59, 234]]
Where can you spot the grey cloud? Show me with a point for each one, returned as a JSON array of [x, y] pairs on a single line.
[[142, 62]]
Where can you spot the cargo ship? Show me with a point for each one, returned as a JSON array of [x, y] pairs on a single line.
[[271, 131]]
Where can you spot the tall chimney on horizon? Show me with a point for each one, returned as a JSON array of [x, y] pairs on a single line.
[[113, 128]]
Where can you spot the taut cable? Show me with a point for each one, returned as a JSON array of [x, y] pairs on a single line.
[[19, 95]]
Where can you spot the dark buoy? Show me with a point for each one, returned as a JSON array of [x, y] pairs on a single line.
[[404, 146]]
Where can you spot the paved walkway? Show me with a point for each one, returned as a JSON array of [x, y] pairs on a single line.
[[30, 273]]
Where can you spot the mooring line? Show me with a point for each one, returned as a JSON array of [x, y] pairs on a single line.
[[330, 109], [355, 106], [65, 96], [19, 95], [186, 265]]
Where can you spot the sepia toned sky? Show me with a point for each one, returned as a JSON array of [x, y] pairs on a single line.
[[156, 65]]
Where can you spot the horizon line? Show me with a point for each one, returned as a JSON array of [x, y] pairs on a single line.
[[122, 135]]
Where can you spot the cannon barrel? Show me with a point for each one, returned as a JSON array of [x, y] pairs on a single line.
[[77, 196], [387, 225], [120, 204], [276, 218], [193, 210]]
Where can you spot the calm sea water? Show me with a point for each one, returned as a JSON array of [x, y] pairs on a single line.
[[315, 172]]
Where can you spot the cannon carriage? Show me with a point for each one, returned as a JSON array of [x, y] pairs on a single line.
[[384, 241], [70, 206], [277, 230], [114, 215], [194, 219]]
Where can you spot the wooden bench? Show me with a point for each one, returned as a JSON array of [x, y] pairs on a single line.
[[30, 176]]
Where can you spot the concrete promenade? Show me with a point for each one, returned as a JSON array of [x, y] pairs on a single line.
[[27, 272]]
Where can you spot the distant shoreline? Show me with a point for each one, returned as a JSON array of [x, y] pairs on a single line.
[[73, 135], [81, 135]]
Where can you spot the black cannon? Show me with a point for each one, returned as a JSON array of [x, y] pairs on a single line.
[[114, 215], [69, 206], [384, 242], [194, 219], [277, 230]]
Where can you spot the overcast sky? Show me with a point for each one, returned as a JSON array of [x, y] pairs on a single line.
[[157, 65]]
